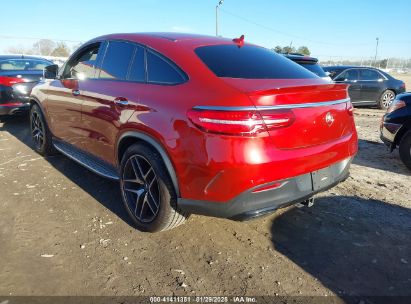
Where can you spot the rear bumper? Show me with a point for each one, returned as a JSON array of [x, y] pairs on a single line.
[[254, 203], [388, 133], [12, 102], [14, 108]]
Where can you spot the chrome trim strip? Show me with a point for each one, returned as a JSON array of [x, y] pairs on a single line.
[[289, 106]]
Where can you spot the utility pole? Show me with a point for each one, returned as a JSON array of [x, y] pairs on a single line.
[[376, 52], [216, 16]]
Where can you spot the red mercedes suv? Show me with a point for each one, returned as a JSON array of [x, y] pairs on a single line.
[[195, 124]]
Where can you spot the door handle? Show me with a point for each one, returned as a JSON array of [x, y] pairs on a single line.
[[75, 92], [121, 101]]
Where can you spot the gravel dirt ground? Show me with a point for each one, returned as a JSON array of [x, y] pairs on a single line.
[[63, 232]]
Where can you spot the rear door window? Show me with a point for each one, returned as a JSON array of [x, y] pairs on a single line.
[[349, 75], [369, 75], [162, 71], [138, 68], [249, 62], [117, 60]]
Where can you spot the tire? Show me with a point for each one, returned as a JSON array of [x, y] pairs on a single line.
[[40, 133], [405, 149], [152, 208], [386, 99]]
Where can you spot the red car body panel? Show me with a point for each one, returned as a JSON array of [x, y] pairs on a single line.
[[209, 167]]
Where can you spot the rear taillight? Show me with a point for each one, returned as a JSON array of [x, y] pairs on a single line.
[[9, 81], [244, 123], [350, 108], [403, 86], [275, 119], [395, 105]]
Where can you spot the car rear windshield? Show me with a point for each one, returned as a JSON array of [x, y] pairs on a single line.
[[249, 62], [23, 64], [313, 67]]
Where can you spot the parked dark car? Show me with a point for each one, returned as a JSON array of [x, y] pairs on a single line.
[[18, 75], [396, 127], [368, 86], [196, 124], [310, 63]]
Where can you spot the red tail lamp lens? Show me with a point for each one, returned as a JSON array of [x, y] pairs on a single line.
[[396, 104], [350, 108], [9, 81], [244, 123]]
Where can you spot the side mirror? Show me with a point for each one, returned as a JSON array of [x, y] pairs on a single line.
[[327, 73], [51, 71], [380, 80]]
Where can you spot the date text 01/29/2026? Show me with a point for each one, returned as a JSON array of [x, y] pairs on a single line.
[[202, 299]]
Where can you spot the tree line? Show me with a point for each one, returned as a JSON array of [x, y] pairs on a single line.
[[44, 47], [290, 49]]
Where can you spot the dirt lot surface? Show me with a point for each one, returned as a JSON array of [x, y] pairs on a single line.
[[63, 232]]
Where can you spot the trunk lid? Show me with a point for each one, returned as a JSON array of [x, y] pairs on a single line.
[[322, 109], [26, 76], [16, 85]]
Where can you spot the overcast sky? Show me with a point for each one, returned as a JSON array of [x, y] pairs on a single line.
[[346, 28]]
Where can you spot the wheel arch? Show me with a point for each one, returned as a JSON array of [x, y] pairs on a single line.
[[389, 89], [129, 138], [406, 127], [35, 101]]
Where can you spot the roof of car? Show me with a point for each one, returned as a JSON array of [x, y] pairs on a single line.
[[178, 36], [300, 57], [192, 40], [20, 57], [344, 67]]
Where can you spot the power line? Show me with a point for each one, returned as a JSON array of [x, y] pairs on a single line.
[[274, 30], [296, 36]]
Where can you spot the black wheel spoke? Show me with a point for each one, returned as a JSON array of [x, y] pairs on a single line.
[[139, 201], [137, 169], [133, 180], [138, 192], [147, 173], [37, 129], [153, 206], [140, 188]]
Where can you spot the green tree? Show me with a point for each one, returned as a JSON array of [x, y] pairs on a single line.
[[278, 49], [61, 50], [288, 49], [44, 47], [383, 63], [20, 50], [303, 50]]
